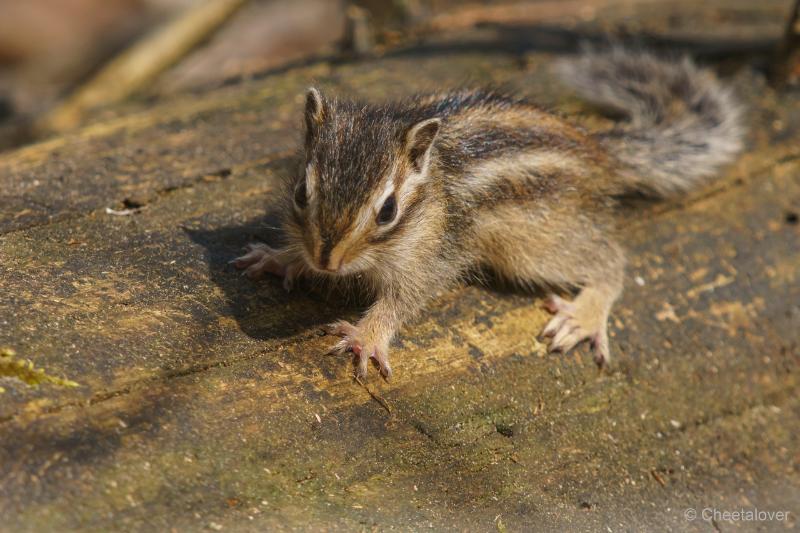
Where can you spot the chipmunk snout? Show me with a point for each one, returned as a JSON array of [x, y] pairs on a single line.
[[331, 257]]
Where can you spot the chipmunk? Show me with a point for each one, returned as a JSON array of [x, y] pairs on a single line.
[[410, 197]]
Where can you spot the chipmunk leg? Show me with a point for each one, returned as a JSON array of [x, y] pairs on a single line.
[[371, 336], [561, 251]]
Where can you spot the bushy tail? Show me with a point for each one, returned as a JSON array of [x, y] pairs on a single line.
[[683, 123]]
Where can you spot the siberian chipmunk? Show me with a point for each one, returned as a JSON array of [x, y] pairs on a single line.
[[409, 197]]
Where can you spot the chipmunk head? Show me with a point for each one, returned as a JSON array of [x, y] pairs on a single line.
[[362, 186]]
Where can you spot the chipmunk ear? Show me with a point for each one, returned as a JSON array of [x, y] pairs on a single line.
[[314, 113], [419, 140]]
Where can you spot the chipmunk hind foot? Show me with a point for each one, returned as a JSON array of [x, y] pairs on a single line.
[[584, 318]]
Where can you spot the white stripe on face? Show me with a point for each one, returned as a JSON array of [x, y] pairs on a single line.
[[365, 220]]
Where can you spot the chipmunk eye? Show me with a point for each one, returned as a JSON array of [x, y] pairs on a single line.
[[388, 211], [301, 194]]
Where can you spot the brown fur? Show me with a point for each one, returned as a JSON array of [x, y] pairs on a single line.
[[410, 197]]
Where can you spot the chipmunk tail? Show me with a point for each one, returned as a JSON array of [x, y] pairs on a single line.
[[683, 123]]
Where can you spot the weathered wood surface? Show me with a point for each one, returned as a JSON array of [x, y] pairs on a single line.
[[206, 400]]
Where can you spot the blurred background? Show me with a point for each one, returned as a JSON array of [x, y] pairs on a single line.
[[63, 59]]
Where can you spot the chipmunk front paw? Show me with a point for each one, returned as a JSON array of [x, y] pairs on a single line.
[[576, 321], [354, 341], [260, 259]]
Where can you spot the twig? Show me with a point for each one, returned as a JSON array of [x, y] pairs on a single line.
[[787, 49], [657, 477], [121, 212], [374, 395], [140, 64]]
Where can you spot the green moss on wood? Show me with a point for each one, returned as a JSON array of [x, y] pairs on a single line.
[[25, 371]]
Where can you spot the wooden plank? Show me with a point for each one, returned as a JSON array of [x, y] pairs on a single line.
[[206, 401]]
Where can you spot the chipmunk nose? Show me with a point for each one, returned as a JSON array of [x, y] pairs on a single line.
[[330, 258], [333, 267]]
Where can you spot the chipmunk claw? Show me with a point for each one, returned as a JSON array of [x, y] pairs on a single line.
[[376, 354], [382, 358], [571, 325], [600, 351], [258, 260], [362, 351]]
